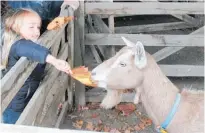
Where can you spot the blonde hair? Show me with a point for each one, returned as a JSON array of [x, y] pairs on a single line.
[[12, 32]]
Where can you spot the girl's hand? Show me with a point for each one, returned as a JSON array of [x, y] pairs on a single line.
[[62, 66], [59, 64]]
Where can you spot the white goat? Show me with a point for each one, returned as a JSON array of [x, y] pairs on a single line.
[[132, 67]]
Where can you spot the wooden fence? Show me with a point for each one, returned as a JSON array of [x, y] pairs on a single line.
[[56, 87], [102, 37]]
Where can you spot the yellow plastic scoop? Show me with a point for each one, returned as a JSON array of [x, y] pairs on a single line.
[[83, 75]]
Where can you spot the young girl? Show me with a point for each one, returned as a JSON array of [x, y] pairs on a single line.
[[22, 30]]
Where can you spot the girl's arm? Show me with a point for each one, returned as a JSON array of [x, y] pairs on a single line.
[[59, 64], [36, 52]]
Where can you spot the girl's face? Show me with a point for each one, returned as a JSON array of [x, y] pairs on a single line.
[[30, 29]]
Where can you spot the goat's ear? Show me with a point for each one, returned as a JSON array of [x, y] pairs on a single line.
[[140, 56], [127, 42]]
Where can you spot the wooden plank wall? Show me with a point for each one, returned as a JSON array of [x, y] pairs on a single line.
[[102, 36], [190, 15]]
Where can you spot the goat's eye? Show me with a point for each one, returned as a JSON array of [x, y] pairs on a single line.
[[122, 64]]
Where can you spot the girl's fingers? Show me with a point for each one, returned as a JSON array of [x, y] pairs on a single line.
[[64, 66], [70, 71], [67, 70]]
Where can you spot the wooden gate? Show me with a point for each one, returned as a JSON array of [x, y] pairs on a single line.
[[101, 37]]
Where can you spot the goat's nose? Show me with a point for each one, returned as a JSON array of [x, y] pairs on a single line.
[[93, 73]]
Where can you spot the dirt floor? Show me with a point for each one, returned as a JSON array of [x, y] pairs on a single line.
[[93, 118]]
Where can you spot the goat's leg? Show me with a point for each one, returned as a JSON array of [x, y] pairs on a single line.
[[112, 98], [137, 95]]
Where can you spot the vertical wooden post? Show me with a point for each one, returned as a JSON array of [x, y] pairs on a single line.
[[70, 34], [79, 52], [81, 25], [112, 30]]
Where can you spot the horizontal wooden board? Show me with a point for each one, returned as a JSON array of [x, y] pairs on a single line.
[[165, 52], [48, 116], [14, 72], [153, 27], [147, 40], [182, 70], [144, 8]]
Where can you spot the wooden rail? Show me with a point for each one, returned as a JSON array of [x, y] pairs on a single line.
[[144, 8], [147, 40]]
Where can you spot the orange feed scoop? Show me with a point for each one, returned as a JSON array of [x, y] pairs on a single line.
[[58, 22], [83, 75]]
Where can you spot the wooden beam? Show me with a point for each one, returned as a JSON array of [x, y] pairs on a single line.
[[116, 15], [183, 70], [39, 96], [81, 24], [111, 24], [188, 19], [93, 30], [112, 29], [8, 80], [147, 40], [6, 98], [144, 8], [71, 41], [79, 88], [100, 25], [55, 48], [93, 49], [167, 51], [184, 17], [62, 114], [48, 116], [95, 54], [153, 27]]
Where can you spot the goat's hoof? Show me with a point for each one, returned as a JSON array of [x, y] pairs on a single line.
[[106, 106], [136, 101]]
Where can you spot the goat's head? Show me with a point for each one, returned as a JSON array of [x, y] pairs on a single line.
[[124, 70]]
